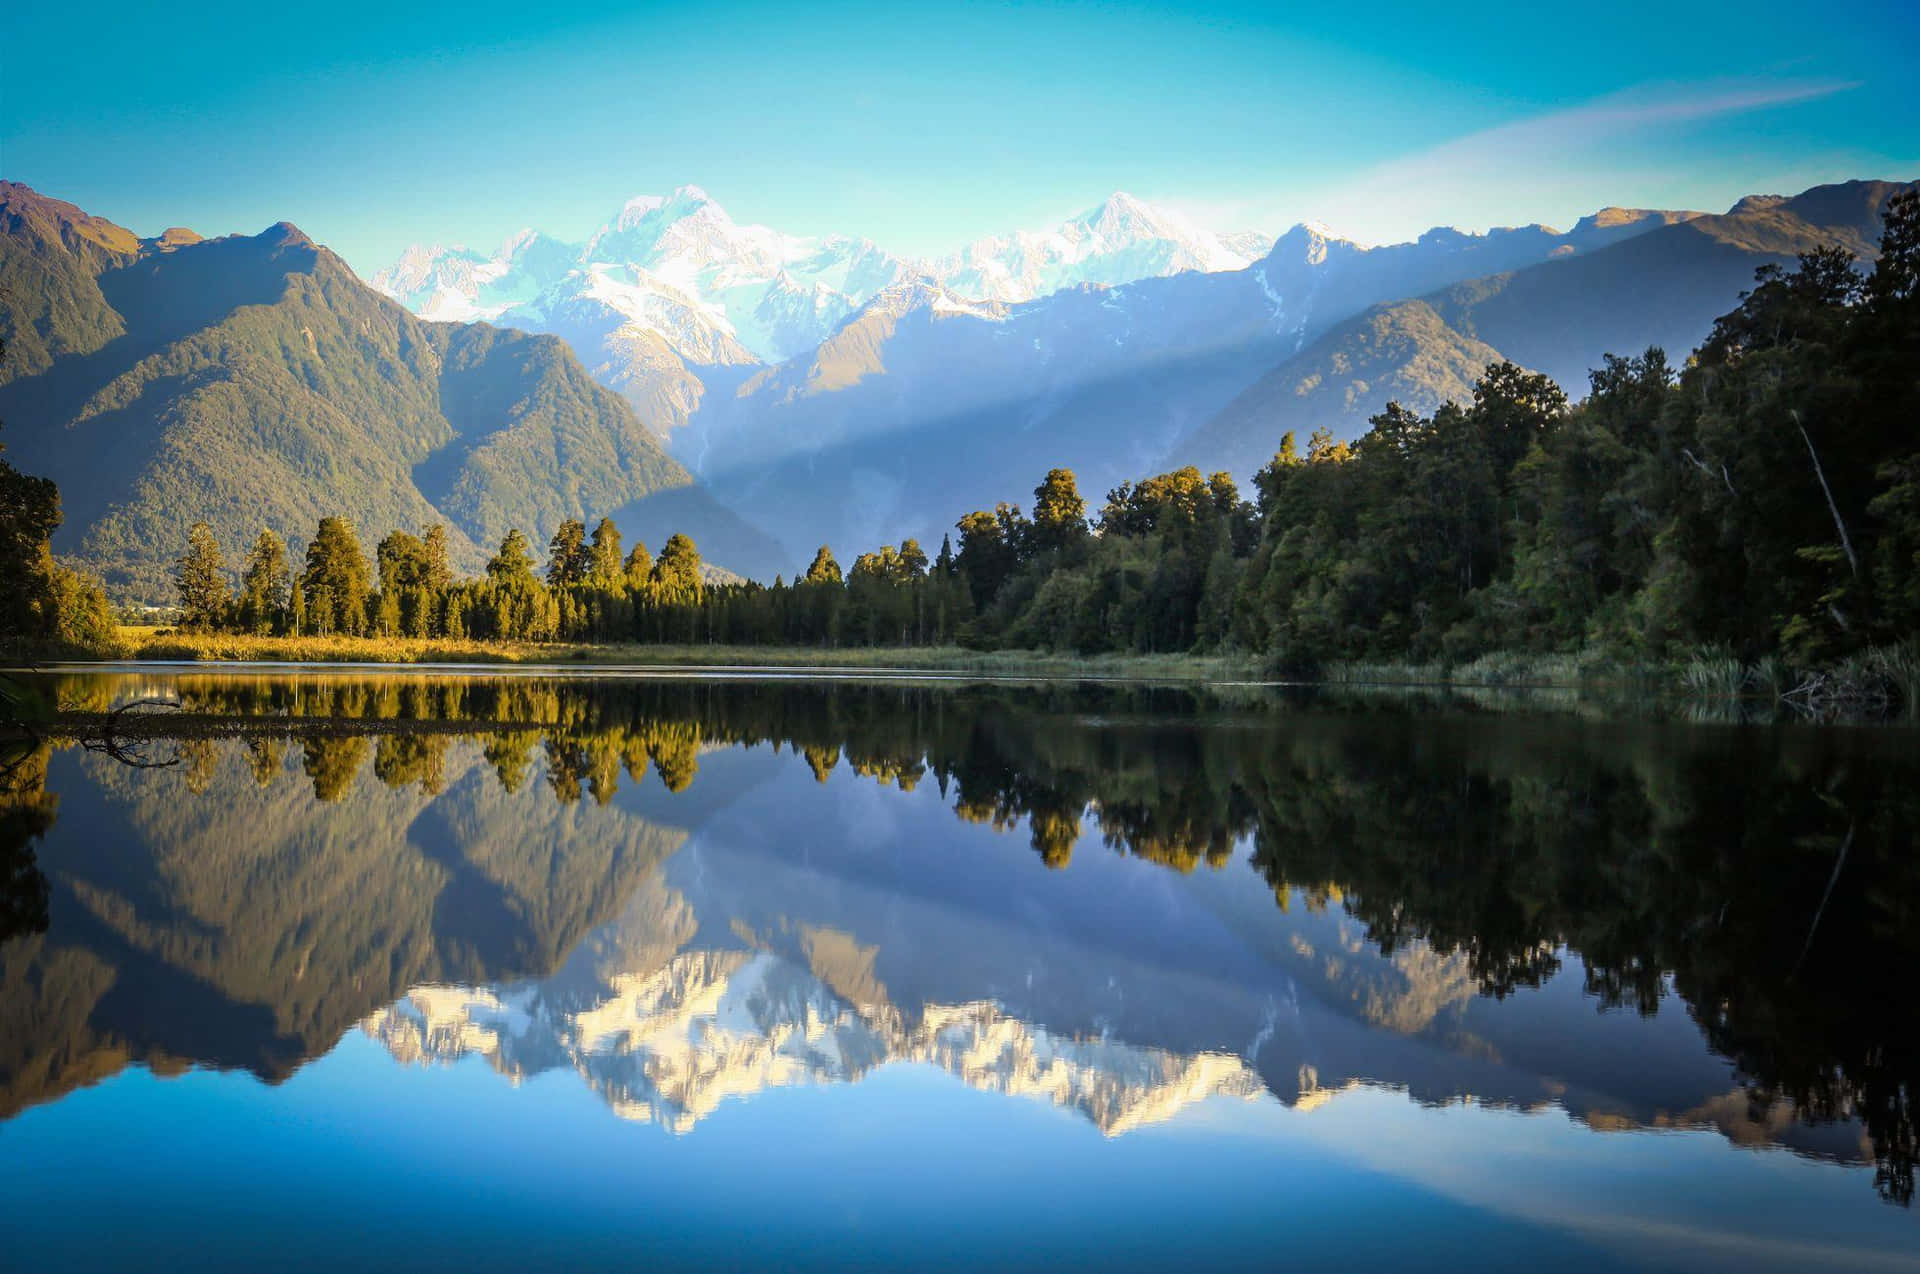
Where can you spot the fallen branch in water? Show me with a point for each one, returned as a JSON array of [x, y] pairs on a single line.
[[111, 741]]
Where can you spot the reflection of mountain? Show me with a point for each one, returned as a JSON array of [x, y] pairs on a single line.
[[249, 923], [634, 890], [671, 1044]]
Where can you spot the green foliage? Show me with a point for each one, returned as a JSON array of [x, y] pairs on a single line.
[[200, 576], [604, 564], [265, 582], [568, 559], [336, 582], [29, 514], [1059, 512], [83, 618], [823, 570]]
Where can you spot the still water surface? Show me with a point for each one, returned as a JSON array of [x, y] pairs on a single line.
[[513, 973]]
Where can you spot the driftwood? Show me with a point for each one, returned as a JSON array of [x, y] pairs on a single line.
[[110, 739], [1824, 694]]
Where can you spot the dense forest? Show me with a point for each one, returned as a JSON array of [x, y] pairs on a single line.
[[44, 605], [1761, 502]]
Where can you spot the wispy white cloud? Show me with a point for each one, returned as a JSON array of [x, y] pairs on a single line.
[[1568, 159]]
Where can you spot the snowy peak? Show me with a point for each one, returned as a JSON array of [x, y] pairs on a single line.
[[675, 268], [1119, 241], [1310, 243], [457, 284], [679, 268]]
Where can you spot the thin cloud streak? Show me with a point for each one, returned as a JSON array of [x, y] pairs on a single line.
[[1547, 159]]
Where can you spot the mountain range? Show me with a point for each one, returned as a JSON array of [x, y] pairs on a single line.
[[939, 387], [678, 271], [254, 381], [767, 392]]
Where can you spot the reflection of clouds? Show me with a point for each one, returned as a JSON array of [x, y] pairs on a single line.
[[1637, 1194]]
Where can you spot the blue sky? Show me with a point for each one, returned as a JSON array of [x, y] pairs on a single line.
[[372, 126]]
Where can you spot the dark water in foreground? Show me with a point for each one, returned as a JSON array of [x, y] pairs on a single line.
[[415, 972]]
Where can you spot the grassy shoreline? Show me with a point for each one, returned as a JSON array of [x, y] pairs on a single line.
[[164, 645], [1889, 672]]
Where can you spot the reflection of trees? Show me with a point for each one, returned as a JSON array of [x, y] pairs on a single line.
[[26, 812], [242, 923], [1718, 863], [403, 759], [331, 762], [1766, 878]]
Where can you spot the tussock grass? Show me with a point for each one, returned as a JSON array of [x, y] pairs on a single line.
[[1714, 676], [1899, 666], [1384, 674], [161, 644]]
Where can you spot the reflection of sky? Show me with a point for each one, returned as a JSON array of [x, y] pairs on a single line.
[[356, 1159]]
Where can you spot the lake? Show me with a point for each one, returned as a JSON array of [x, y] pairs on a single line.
[[404, 970]]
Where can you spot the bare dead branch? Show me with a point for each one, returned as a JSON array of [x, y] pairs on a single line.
[[1853, 562]]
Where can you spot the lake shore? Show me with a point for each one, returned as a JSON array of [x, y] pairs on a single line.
[[1881, 681], [168, 646]]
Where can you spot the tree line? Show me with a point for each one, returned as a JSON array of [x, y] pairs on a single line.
[[591, 588], [1763, 499]]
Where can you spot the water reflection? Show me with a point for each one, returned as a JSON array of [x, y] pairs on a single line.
[[619, 879]]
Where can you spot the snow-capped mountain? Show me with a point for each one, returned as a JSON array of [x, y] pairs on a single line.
[[677, 268], [669, 1045], [459, 285], [718, 293], [1120, 241], [1107, 344]]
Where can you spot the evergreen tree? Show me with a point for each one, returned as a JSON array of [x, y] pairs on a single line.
[[824, 569], [439, 573], [676, 573], [336, 580], [639, 567], [513, 564], [408, 599], [910, 563], [604, 565], [989, 550], [264, 585], [1059, 512], [201, 578], [567, 559], [29, 515]]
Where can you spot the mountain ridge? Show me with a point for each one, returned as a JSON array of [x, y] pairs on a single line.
[[254, 381], [1663, 287]]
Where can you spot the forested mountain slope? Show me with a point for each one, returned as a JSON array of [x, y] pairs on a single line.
[[255, 382], [1562, 317], [923, 405]]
